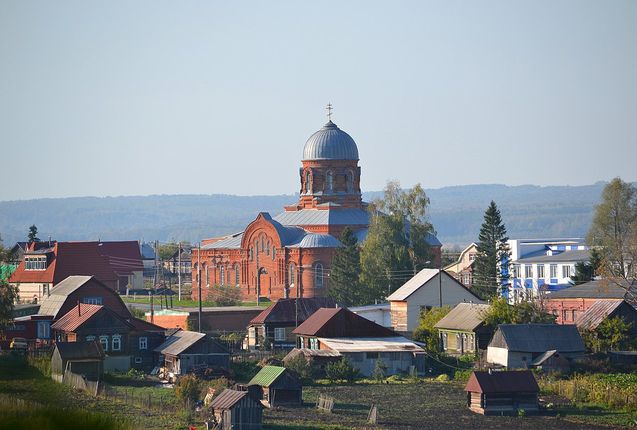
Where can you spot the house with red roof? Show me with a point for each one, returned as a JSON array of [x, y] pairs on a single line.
[[116, 264]]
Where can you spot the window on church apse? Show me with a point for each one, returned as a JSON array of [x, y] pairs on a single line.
[[236, 274], [292, 274], [318, 275], [329, 181]]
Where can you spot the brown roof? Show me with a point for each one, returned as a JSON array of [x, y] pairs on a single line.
[[80, 350], [228, 398], [80, 314], [123, 256], [285, 310], [599, 311], [341, 322], [502, 382]]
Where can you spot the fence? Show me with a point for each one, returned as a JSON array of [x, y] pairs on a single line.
[[582, 390], [79, 382]]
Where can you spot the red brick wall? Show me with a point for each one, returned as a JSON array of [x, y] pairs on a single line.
[[566, 307]]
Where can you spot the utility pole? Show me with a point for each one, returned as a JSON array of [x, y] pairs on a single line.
[[440, 281], [179, 271], [199, 281]]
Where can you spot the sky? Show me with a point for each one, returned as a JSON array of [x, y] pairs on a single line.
[[205, 97]]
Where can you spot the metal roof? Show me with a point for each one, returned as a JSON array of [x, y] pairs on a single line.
[[267, 376], [563, 257], [80, 350], [179, 342], [341, 322], [316, 240], [306, 352], [76, 317], [349, 216], [370, 344], [539, 360], [228, 398], [291, 310], [502, 382], [232, 241], [465, 316], [51, 305], [420, 280], [598, 312], [330, 143], [599, 289], [538, 338]]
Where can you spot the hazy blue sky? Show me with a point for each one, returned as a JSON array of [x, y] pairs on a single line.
[[134, 97]]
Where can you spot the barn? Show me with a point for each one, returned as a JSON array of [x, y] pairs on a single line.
[[237, 410], [185, 351], [277, 385], [496, 393], [82, 358]]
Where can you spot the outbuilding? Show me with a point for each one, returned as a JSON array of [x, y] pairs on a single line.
[[82, 358], [496, 393], [188, 350], [276, 385], [237, 410]]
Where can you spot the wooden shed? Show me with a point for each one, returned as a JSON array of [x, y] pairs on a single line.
[[496, 393], [276, 385], [82, 358], [185, 351], [237, 410]]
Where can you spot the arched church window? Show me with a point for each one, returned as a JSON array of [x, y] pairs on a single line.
[[273, 253], [205, 266], [222, 275], [292, 274], [237, 273], [318, 275], [350, 181], [250, 254], [267, 248], [329, 181], [308, 182]]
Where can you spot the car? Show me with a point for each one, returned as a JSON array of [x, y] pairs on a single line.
[[19, 343]]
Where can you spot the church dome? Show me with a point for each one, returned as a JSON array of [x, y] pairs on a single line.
[[330, 143]]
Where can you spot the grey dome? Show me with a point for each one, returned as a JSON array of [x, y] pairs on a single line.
[[316, 240], [330, 143]]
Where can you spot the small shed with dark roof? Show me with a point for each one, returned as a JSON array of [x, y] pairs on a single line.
[[82, 358], [276, 385], [237, 410], [495, 393]]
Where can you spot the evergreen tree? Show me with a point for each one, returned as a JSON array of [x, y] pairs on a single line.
[[345, 272], [586, 270], [492, 254], [33, 234]]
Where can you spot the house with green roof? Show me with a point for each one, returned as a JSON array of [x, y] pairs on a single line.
[[276, 385]]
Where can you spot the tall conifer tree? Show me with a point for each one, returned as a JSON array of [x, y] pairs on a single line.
[[345, 272], [492, 258]]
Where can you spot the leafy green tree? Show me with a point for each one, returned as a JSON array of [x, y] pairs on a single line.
[[614, 232], [492, 253], [188, 389], [165, 251], [33, 234], [345, 272], [396, 246], [585, 271], [611, 334], [525, 312], [301, 367], [8, 296], [425, 332]]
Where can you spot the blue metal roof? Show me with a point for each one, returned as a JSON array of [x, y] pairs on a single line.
[[324, 217], [330, 143]]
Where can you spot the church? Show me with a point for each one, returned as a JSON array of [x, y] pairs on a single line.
[[289, 255]]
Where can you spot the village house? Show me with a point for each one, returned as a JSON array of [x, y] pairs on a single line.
[[462, 269], [237, 410], [186, 350], [427, 289], [218, 320], [463, 331], [568, 304], [277, 322], [603, 310], [517, 345], [496, 393], [276, 385], [82, 358], [360, 340], [117, 265]]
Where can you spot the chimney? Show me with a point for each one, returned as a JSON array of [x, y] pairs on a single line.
[[79, 311]]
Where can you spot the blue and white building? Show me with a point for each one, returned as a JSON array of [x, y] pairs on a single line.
[[539, 265]]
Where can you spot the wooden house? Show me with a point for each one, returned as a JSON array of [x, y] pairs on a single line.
[[361, 341], [277, 385], [496, 393], [82, 358], [602, 310], [237, 410], [463, 331], [277, 322], [427, 289], [188, 350], [518, 345]]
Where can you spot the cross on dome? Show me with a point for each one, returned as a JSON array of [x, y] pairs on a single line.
[[329, 111]]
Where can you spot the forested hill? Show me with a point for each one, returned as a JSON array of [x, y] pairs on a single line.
[[456, 212]]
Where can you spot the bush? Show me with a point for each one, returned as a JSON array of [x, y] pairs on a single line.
[[380, 370], [462, 375], [188, 389], [442, 378], [340, 371], [301, 368], [244, 370], [225, 295]]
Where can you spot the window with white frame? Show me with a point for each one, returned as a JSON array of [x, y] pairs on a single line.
[[138, 360], [44, 329], [143, 343], [318, 275], [35, 263], [279, 334], [540, 271], [222, 275], [92, 300], [292, 274], [444, 341], [516, 270], [104, 342], [566, 271], [528, 271], [117, 342], [553, 270], [90, 338]]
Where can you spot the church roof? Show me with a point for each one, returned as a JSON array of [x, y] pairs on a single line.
[[315, 240], [330, 143], [350, 216]]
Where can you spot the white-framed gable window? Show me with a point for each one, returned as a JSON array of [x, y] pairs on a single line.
[[279, 334], [92, 300], [143, 342], [117, 342]]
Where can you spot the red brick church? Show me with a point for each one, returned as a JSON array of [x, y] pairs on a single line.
[[289, 255]]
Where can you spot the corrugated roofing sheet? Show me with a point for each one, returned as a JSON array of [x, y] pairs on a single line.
[[306, 352], [227, 399], [599, 289], [291, 310], [562, 257], [232, 241], [341, 322], [597, 313], [465, 316], [52, 304], [80, 350], [179, 342], [538, 338], [349, 216], [502, 382], [267, 376], [420, 279], [76, 317], [368, 344]]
